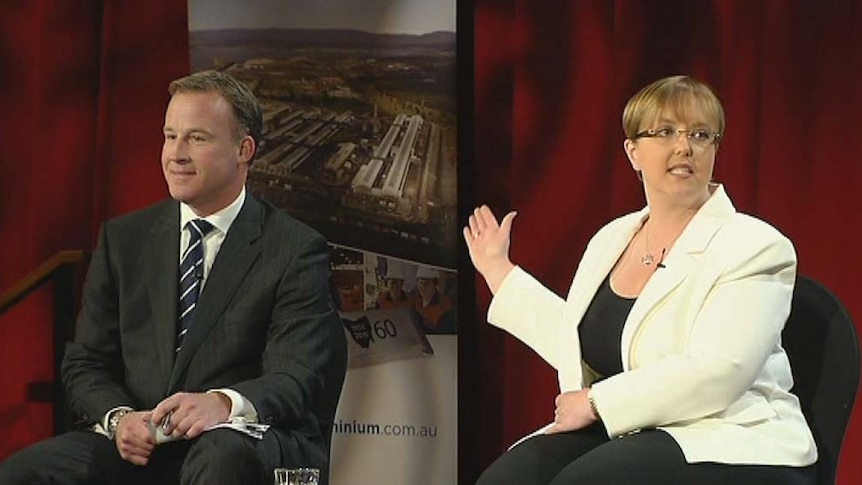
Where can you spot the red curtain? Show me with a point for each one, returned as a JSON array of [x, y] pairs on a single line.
[[551, 79], [83, 91]]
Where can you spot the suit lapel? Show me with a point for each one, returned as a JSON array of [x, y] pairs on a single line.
[[597, 265], [660, 284], [160, 264], [679, 263], [238, 252]]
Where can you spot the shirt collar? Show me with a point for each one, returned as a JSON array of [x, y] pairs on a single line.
[[221, 220]]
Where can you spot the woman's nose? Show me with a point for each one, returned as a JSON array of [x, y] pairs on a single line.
[[682, 142]]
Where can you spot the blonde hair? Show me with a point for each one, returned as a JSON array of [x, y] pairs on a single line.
[[684, 96], [244, 105]]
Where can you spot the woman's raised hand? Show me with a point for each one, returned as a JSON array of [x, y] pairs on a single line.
[[488, 243]]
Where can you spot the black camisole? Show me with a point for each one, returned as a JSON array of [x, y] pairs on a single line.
[[601, 330]]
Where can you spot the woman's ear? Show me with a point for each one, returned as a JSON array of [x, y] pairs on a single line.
[[630, 148]]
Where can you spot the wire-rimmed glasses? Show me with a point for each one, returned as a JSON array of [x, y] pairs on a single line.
[[700, 137]]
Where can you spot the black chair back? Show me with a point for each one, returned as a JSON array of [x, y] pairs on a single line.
[[820, 340]]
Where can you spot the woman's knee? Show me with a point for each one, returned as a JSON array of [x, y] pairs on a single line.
[[540, 458]]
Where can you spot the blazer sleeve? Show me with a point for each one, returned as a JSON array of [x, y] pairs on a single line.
[[532, 313], [540, 318], [737, 328], [305, 357], [92, 365]]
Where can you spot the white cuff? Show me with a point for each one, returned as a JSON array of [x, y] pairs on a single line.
[[107, 417], [239, 405]]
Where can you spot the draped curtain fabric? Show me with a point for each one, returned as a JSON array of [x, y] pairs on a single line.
[[551, 80], [83, 88]]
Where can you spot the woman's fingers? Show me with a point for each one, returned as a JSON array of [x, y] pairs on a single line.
[[473, 226], [506, 225], [483, 221], [479, 224], [486, 219], [468, 236]]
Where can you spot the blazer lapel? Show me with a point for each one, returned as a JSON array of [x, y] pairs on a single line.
[[593, 269], [233, 261], [678, 264], [660, 284], [160, 264]]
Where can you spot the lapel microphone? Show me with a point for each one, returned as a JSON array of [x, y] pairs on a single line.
[[199, 272], [661, 259]]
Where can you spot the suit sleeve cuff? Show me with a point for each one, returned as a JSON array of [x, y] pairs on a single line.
[[240, 407]]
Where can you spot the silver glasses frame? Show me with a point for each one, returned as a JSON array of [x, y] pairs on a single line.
[[667, 133]]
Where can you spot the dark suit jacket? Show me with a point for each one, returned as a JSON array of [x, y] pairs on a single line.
[[265, 325]]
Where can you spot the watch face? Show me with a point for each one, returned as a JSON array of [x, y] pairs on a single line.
[[115, 419]]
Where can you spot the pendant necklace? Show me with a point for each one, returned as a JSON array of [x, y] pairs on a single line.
[[647, 259]]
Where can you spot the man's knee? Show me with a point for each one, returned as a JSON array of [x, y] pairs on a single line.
[[223, 456], [76, 457], [21, 467]]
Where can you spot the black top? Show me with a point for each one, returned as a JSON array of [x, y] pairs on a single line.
[[601, 330]]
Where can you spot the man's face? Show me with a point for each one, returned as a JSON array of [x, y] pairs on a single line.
[[427, 287], [395, 285], [203, 161]]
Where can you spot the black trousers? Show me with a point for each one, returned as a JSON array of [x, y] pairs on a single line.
[[587, 457], [220, 456]]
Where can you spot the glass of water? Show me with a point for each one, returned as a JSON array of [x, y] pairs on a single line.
[[297, 476]]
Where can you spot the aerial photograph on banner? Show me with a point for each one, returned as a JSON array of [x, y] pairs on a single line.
[[359, 142], [359, 113]]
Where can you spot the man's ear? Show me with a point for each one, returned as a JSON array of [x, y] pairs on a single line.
[[247, 148]]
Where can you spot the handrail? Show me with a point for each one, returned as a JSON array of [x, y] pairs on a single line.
[[62, 270], [38, 276]]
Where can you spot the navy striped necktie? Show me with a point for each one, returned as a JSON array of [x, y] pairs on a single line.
[[191, 276]]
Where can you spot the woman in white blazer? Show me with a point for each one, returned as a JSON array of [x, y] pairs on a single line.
[[668, 345]]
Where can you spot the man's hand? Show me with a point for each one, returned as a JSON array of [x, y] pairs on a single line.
[[133, 439], [189, 414], [572, 412]]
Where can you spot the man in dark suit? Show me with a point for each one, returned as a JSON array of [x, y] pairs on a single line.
[[187, 325]]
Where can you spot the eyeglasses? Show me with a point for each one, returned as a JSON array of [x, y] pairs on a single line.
[[700, 137]]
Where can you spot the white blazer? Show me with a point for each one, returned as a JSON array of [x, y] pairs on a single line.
[[701, 348]]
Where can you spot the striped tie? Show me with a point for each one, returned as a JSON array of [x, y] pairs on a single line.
[[191, 276]]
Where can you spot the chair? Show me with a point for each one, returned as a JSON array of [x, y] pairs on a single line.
[[821, 342]]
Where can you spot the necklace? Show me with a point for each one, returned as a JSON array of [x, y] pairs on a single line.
[[647, 259]]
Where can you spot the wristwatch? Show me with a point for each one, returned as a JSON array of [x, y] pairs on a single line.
[[593, 407], [114, 421]]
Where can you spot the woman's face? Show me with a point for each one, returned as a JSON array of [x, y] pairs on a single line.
[[675, 157]]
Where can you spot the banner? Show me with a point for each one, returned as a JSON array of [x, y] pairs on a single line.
[[359, 143]]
